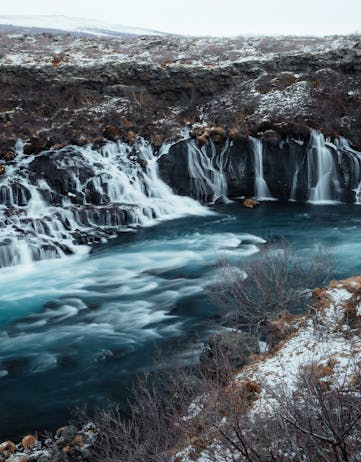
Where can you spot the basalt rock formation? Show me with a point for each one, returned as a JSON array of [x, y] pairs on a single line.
[[311, 169]]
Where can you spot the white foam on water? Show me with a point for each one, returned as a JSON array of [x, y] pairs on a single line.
[[128, 195]]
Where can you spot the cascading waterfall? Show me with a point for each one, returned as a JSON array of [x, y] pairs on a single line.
[[88, 196], [56, 203], [207, 171], [297, 163], [323, 182], [260, 188]]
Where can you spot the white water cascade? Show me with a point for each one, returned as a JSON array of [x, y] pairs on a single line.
[[297, 166], [52, 203], [207, 171], [261, 189], [323, 182]]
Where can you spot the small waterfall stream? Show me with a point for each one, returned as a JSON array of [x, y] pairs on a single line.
[[261, 189], [323, 182], [56, 203], [207, 170]]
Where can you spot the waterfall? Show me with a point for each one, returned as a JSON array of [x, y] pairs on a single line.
[[298, 163], [207, 171], [323, 182], [260, 187], [55, 203]]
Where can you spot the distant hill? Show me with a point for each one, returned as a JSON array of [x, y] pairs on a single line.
[[66, 24]]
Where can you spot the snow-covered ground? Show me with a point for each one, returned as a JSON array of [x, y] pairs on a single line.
[[78, 25], [146, 47], [324, 339]]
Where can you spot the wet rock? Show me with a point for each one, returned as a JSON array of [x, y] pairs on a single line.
[[271, 137], [238, 133], [221, 200], [218, 134], [35, 145], [131, 137], [226, 352], [111, 133], [197, 130], [250, 203], [28, 442], [203, 139]]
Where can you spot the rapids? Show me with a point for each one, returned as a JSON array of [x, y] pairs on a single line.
[[76, 330]]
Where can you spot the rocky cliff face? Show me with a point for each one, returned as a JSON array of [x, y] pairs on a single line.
[[308, 169], [59, 90]]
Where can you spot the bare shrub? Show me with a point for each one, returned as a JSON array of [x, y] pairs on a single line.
[[276, 280], [317, 422], [155, 421]]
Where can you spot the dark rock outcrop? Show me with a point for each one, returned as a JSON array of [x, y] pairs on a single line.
[[292, 168]]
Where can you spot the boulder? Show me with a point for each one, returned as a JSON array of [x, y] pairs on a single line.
[[35, 145], [250, 203], [8, 155], [28, 442], [203, 138], [142, 162], [218, 134], [224, 353]]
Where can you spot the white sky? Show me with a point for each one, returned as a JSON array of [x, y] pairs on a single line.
[[212, 17]]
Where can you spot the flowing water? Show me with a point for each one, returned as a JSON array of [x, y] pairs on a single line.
[[76, 330], [323, 180], [78, 322], [261, 189], [207, 172]]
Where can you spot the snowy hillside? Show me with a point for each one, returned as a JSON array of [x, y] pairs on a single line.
[[317, 368], [75, 25]]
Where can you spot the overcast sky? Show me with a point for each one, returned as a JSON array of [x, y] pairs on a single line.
[[207, 17]]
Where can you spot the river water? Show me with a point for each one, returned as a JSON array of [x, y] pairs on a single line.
[[77, 330]]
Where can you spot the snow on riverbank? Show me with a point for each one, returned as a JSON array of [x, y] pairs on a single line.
[[327, 339]]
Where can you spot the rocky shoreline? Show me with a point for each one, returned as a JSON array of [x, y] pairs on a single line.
[[68, 444]]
